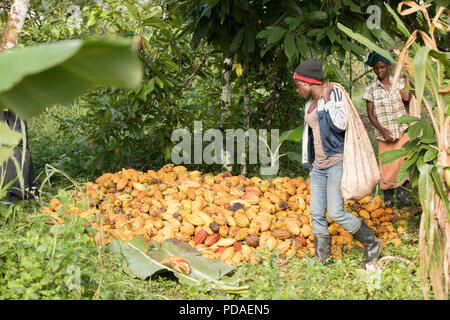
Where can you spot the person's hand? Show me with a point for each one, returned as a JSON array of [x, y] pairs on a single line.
[[407, 82], [308, 181], [387, 135], [326, 93]]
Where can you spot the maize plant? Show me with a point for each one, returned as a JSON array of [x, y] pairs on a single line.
[[427, 161]]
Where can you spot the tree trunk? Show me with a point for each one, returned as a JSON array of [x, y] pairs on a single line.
[[227, 68], [15, 23], [246, 95]]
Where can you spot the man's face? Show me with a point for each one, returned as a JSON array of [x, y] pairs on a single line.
[[381, 69], [303, 88]]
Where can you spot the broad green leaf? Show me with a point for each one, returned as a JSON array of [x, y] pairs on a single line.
[[430, 155], [272, 33], [37, 77], [292, 22], [292, 135], [316, 15], [407, 119], [428, 134], [443, 57], [302, 45], [237, 40], [439, 188], [402, 172], [134, 253], [134, 11], [45, 75], [142, 260], [363, 40], [392, 155], [419, 66], [353, 7], [415, 130], [295, 156], [290, 49]]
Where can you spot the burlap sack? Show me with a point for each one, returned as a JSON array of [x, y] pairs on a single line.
[[360, 167]]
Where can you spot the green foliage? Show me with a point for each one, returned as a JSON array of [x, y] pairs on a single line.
[[40, 76]]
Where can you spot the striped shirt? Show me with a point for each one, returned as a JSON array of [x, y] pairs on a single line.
[[387, 106]]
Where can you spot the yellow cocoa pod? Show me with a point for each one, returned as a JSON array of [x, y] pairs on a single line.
[[158, 224], [220, 219], [237, 257], [225, 242], [195, 219], [227, 253], [377, 213], [252, 212], [301, 203], [271, 243], [306, 230], [364, 214], [241, 234], [283, 246], [265, 221], [205, 217], [230, 220], [333, 229], [207, 229], [293, 227], [279, 224], [187, 228], [371, 206], [187, 204], [209, 196], [241, 219], [223, 230], [254, 228]]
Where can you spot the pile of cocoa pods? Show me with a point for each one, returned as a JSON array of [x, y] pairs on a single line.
[[223, 216]]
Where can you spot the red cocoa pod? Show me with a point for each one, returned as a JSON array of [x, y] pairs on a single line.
[[302, 241], [200, 237], [237, 246], [212, 239], [221, 249]]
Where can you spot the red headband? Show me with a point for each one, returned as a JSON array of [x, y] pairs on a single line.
[[309, 80]]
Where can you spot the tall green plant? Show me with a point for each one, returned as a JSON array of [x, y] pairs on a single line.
[[427, 160]]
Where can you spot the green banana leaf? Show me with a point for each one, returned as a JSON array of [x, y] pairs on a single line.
[[8, 140], [142, 261], [40, 76]]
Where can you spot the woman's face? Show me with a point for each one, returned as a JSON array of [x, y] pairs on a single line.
[[381, 69], [303, 88]]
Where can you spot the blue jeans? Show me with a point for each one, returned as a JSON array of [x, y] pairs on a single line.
[[326, 194]]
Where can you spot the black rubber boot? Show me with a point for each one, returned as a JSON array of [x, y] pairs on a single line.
[[402, 196], [323, 248], [389, 198], [371, 244]]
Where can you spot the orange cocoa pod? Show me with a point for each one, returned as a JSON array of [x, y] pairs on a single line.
[[121, 184]]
